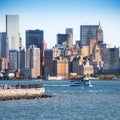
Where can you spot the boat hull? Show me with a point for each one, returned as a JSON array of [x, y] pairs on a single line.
[[82, 82]]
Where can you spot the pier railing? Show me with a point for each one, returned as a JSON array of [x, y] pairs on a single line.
[[21, 86], [21, 91]]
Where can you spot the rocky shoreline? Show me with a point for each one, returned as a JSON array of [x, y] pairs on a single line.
[[25, 97]]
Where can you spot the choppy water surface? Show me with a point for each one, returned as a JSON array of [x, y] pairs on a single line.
[[99, 102]]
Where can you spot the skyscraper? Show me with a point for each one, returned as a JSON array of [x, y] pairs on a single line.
[[36, 37], [62, 39], [13, 60], [22, 59], [69, 31], [3, 46], [32, 60], [100, 34], [48, 62], [12, 30], [88, 32], [111, 58], [35, 60]]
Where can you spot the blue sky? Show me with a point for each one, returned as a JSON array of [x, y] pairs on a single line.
[[53, 16]]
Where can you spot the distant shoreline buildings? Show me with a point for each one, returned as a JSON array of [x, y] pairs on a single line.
[[89, 55]]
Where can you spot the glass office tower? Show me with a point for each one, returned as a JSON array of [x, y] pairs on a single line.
[[12, 30], [36, 37], [3, 46], [88, 32]]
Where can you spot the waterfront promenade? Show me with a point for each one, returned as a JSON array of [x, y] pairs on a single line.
[[21, 91]]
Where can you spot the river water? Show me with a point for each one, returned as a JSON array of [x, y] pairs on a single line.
[[99, 102]]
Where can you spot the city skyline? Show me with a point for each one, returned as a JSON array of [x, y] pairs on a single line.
[[54, 16]]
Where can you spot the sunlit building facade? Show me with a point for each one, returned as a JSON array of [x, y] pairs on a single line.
[[69, 31], [36, 37]]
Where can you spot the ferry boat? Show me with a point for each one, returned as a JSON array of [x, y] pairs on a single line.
[[81, 82]]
